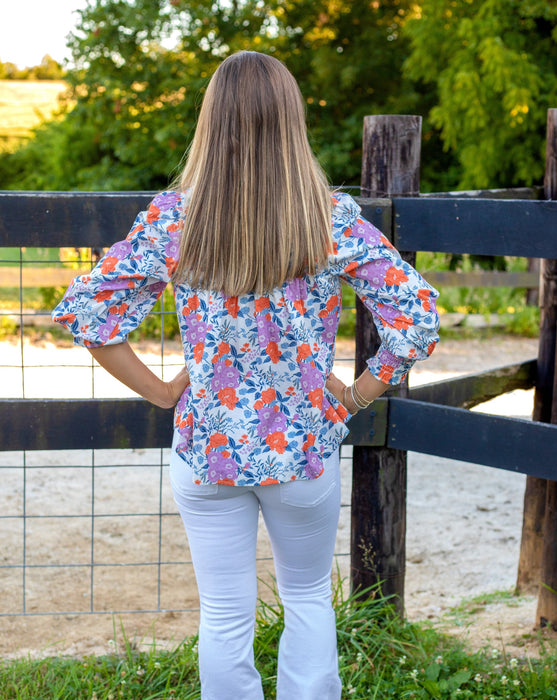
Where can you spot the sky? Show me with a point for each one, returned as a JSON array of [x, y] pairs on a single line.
[[29, 29]]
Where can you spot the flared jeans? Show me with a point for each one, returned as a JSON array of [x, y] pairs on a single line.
[[221, 521]]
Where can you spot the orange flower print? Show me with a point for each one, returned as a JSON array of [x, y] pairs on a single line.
[[153, 214], [193, 302], [341, 412], [310, 442], [135, 230], [424, 296], [351, 268], [227, 397], [277, 442], [103, 296], [224, 349], [268, 395], [300, 306], [332, 415], [261, 303], [198, 352], [273, 352], [386, 373], [171, 265], [348, 232], [395, 276], [402, 322], [386, 242], [108, 264], [217, 440], [269, 481], [232, 306], [315, 397], [303, 352]]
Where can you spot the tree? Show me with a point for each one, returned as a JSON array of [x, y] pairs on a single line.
[[142, 66], [48, 69], [493, 64]]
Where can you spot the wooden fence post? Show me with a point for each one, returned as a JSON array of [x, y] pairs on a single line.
[[390, 166], [546, 613]]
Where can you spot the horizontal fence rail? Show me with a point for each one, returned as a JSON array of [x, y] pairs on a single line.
[[517, 227], [474, 389], [525, 228], [522, 446]]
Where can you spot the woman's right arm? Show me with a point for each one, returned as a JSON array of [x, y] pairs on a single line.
[[367, 386], [122, 362]]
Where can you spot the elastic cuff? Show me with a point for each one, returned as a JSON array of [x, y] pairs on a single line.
[[389, 368]]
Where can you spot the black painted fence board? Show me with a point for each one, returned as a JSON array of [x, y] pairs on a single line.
[[73, 219], [72, 424], [53, 424], [525, 228], [98, 219], [460, 225], [513, 444]]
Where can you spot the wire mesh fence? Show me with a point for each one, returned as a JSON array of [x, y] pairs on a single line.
[[93, 531]]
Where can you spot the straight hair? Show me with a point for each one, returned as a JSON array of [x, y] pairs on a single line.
[[259, 209]]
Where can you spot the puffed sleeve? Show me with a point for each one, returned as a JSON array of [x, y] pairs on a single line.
[[401, 302], [104, 306]]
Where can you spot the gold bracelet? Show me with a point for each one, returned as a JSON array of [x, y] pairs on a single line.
[[344, 396], [356, 402], [361, 398]]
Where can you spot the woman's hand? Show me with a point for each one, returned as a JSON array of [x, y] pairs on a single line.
[[176, 387], [341, 392], [368, 387]]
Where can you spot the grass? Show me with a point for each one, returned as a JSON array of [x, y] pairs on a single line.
[[24, 104], [462, 614], [380, 655]]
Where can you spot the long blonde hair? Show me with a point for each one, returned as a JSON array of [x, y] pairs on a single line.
[[260, 208]]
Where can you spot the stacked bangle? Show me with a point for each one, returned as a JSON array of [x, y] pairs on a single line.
[[359, 401]]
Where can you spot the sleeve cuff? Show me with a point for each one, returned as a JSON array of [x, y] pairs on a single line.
[[389, 368]]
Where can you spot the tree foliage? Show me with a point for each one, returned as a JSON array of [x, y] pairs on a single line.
[[48, 69], [494, 67], [141, 68], [481, 72]]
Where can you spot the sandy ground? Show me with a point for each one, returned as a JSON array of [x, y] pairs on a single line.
[[463, 534]]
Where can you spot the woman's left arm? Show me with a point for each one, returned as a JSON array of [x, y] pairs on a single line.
[[122, 362]]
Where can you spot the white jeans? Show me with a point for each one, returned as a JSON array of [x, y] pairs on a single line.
[[221, 525]]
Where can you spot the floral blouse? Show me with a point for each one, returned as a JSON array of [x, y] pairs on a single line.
[[257, 410]]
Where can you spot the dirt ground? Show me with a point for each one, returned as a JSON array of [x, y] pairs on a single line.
[[463, 529]]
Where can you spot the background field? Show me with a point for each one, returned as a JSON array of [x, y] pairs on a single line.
[[23, 105]]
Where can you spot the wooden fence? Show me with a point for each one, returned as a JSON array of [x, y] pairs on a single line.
[[432, 419]]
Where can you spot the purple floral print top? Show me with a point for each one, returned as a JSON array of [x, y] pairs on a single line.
[[257, 410]]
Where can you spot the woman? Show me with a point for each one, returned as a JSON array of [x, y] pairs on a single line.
[[246, 238]]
